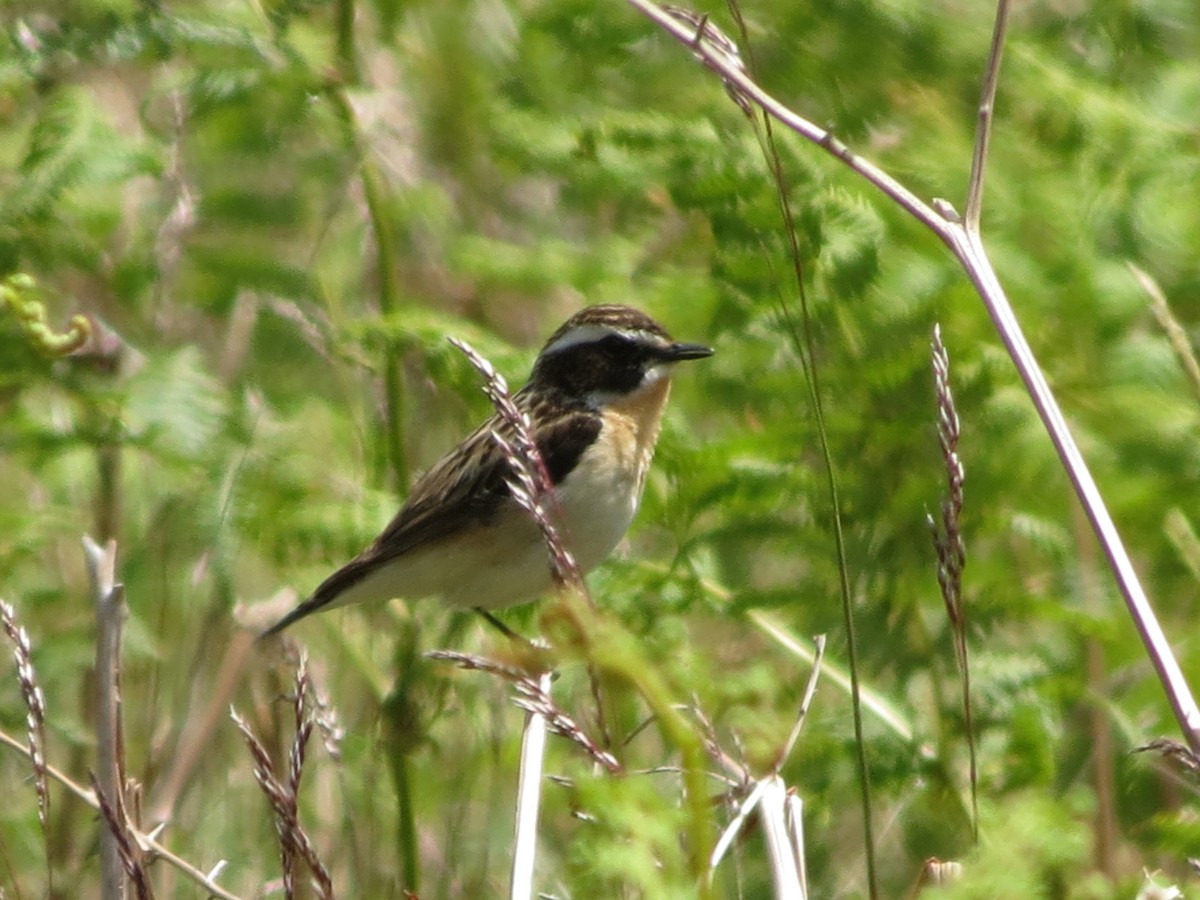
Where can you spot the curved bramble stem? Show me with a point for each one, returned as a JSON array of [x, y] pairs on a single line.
[[963, 240]]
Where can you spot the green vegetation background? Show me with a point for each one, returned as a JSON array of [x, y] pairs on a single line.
[[282, 209]]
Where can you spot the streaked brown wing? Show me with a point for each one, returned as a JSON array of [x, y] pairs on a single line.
[[464, 489], [467, 486]]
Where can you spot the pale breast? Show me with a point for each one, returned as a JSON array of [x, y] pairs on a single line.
[[601, 494]]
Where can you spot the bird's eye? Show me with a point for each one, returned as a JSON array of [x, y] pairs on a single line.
[[621, 350]]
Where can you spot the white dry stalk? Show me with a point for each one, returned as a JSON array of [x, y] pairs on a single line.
[[794, 822], [734, 828], [777, 818], [534, 697], [961, 234], [529, 794], [779, 809]]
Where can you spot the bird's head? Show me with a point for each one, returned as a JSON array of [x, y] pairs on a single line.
[[603, 353]]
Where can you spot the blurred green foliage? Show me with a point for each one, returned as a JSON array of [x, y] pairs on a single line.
[[211, 180]]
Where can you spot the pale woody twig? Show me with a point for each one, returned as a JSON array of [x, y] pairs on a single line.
[[810, 691], [968, 248], [716, 59], [149, 845], [109, 597]]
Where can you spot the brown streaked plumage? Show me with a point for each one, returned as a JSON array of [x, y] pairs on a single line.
[[595, 398]]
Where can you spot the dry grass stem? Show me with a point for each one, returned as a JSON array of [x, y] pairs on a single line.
[[474, 663], [35, 708], [983, 130], [873, 701], [780, 810], [736, 774], [283, 795], [785, 846], [1181, 756], [532, 698], [529, 796], [950, 548], [127, 847], [529, 482], [947, 535]]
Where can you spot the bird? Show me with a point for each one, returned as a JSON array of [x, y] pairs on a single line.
[[595, 399]]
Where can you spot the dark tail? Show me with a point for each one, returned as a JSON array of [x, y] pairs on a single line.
[[326, 594], [308, 606]]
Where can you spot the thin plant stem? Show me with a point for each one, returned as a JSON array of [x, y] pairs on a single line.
[[347, 52], [394, 451], [1171, 326], [786, 865], [887, 713], [806, 699], [987, 108], [804, 345]]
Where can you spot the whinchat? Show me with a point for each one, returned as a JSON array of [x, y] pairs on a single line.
[[595, 399]]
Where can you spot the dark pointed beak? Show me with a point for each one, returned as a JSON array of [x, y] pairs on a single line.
[[680, 352]]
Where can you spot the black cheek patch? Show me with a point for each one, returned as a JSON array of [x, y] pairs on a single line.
[[562, 444]]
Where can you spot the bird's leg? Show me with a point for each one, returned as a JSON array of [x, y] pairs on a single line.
[[502, 628]]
